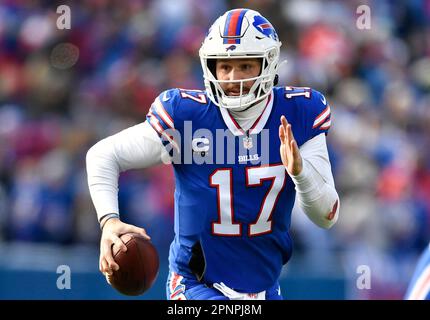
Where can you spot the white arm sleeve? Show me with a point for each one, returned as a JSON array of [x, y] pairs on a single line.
[[315, 188], [133, 148]]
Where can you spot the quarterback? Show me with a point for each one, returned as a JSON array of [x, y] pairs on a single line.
[[243, 150]]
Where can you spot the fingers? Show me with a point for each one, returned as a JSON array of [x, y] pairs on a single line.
[[288, 135], [295, 149], [283, 130], [111, 238], [118, 243], [288, 130], [108, 278], [103, 266], [140, 231], [281, 134], [110, 265], [107, 262], [284, 121]]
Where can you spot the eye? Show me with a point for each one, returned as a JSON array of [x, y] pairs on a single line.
[[224, 67], [247, 67]]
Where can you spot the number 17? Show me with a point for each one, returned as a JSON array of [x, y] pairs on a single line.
[[222, 179]]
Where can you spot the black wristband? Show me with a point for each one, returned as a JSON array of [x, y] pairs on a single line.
[[107, 217]]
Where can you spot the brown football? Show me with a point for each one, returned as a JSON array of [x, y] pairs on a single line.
[[138, 266]]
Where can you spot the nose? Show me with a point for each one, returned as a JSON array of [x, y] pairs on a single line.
[[235, 74], [232, 74]]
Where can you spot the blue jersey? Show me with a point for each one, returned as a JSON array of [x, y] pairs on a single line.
[[233, 196]]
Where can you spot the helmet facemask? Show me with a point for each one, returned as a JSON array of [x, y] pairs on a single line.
[[259, 90]]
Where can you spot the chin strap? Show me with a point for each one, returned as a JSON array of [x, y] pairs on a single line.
[[236, 103]]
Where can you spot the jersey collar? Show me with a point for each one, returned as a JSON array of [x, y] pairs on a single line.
[[258, 125]]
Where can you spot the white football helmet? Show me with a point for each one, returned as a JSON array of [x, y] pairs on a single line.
[[240, 33]]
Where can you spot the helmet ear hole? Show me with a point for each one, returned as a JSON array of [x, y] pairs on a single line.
[[276, 80]]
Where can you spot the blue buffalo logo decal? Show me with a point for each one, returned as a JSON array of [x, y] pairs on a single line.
[[232, 47], [264, 26]]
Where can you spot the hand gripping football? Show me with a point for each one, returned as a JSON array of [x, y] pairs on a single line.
[[138, 266]]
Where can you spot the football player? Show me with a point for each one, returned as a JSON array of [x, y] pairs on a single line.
[[242, 150]]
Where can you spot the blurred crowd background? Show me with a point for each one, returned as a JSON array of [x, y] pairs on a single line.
[[63, 90]]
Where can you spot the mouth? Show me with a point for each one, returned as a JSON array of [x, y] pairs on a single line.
[[233, 93]]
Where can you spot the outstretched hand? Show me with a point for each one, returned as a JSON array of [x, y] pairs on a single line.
[[290, 153]]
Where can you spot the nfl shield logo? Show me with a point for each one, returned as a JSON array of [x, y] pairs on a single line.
[[247, 143]]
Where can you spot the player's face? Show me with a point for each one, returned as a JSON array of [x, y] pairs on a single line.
[[237, 69]]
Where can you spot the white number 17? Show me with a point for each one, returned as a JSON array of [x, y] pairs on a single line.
[[222, 180]]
